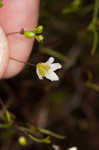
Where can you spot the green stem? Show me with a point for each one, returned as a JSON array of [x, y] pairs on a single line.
[[95, 42], [5, 126], [94, 28], [45, 140], [93, 86], [95, 14], [30, 131], [53, 53], [27, 130], [50, 133]]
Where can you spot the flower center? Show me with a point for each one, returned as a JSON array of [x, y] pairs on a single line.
[[43, 69]]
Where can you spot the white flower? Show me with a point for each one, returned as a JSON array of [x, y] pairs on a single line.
[[72, 148], [47, 69], [56, 147]]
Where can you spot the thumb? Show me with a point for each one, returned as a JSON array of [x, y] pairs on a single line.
[[14, 16]]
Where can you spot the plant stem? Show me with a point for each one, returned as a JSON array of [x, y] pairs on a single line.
[[95, 14], [53, 53], [95, 42], [50, 133], [92, 85], [12, 33], [45, 140], [94, 28], [18, 32]]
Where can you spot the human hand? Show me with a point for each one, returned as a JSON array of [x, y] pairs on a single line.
[[15, 15]]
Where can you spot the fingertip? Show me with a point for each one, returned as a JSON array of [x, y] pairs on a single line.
[[16, 15], [20, 50]]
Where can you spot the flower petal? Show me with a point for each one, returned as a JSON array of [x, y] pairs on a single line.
[[72, 148], [56, 66], [52, 76], [50, 61], [39, 75]]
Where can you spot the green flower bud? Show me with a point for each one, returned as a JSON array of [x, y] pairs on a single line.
[[22, 141], [39, 38], [38, 29], [29, 34]]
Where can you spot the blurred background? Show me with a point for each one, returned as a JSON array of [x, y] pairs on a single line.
[[69, 107]]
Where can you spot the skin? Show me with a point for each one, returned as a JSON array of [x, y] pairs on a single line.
[[15, 15]]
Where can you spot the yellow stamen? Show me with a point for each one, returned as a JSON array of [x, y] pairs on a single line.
[[43, 69]]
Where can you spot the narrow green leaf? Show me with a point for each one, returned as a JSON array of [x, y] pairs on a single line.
[[50, 133], [45, 140]]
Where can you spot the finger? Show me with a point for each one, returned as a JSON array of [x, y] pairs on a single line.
[[4, 53], [15, 15]]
